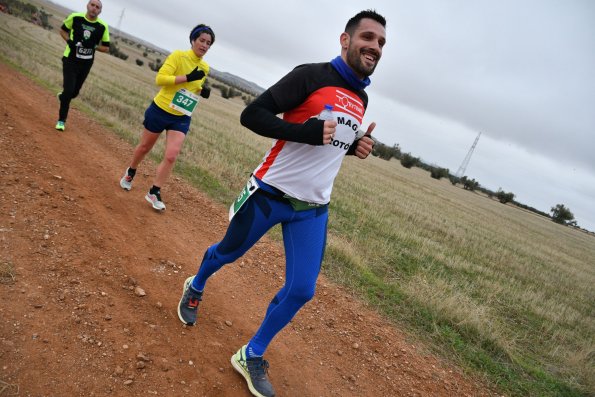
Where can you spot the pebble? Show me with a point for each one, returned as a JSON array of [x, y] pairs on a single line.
[[164, 365], [142, 357], [138, 291]]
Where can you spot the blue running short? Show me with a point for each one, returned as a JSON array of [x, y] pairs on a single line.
[[158, 120]]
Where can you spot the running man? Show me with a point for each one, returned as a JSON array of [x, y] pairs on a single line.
[[181, 77], [84, 34], [292, 186]]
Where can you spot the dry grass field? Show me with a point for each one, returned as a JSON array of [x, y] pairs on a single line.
[[503, 291]]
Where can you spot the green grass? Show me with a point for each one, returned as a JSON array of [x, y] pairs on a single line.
[[503, 292]]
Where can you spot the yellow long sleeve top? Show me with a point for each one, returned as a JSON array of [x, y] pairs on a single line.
[[178, 63]]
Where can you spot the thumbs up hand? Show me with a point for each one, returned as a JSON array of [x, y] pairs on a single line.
[[196, 74], [366, 143]]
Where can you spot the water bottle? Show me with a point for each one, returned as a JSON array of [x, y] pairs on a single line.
[[327, 113]]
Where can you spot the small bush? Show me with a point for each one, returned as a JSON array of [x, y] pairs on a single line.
[[469, 184], [408, 161], [115, 51], [504, 197], [562, 215], [438, 172]]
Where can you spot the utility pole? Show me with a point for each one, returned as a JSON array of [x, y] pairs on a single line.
[[463, 167], [119, 26]]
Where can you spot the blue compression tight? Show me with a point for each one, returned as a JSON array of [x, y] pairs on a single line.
[[304, 238]]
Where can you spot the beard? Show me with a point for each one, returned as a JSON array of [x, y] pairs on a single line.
[[354, 60]]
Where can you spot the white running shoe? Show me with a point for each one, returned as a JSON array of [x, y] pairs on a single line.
[[126, 181], [155, 200]]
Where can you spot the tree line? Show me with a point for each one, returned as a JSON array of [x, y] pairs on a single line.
[[558, 213]]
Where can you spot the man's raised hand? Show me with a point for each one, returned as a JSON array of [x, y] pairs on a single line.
[[365, 144]]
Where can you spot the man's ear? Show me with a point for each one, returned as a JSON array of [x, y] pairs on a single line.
[[344, 40]]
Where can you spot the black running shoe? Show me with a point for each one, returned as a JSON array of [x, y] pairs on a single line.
[[188, 306]]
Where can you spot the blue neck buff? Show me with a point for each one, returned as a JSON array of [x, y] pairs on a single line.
[[346, 72]]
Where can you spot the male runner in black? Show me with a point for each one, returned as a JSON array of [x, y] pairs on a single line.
[[84, 33]]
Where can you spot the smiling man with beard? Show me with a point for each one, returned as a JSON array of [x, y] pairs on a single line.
[[292, 186]]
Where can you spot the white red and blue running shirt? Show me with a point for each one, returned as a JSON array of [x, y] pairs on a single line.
[[303, 171]]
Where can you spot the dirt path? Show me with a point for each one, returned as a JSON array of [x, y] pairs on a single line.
[[71, 322]]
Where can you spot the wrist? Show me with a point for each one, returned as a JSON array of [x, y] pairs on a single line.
[[312, 132]]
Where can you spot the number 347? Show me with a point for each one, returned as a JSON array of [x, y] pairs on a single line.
[[185, 101]]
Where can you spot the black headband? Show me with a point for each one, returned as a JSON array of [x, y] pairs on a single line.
[[198, 30]]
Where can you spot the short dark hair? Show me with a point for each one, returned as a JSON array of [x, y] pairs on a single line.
[[202, 28], [354, 21]]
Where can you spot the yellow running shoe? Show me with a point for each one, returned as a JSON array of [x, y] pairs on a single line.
[[254, 370]]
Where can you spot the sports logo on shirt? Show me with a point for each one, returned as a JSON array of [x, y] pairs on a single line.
[[349, 104], [86, 34]]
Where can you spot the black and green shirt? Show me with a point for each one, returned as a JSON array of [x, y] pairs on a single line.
[[86, 35]]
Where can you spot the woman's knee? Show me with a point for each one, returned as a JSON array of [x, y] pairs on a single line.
[[171, 156], [144, 148]]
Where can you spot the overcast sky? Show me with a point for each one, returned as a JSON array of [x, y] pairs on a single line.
[[521, 72]]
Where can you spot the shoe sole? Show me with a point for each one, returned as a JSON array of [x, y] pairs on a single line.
[[153, 205], [186, 286], [238, 367]]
